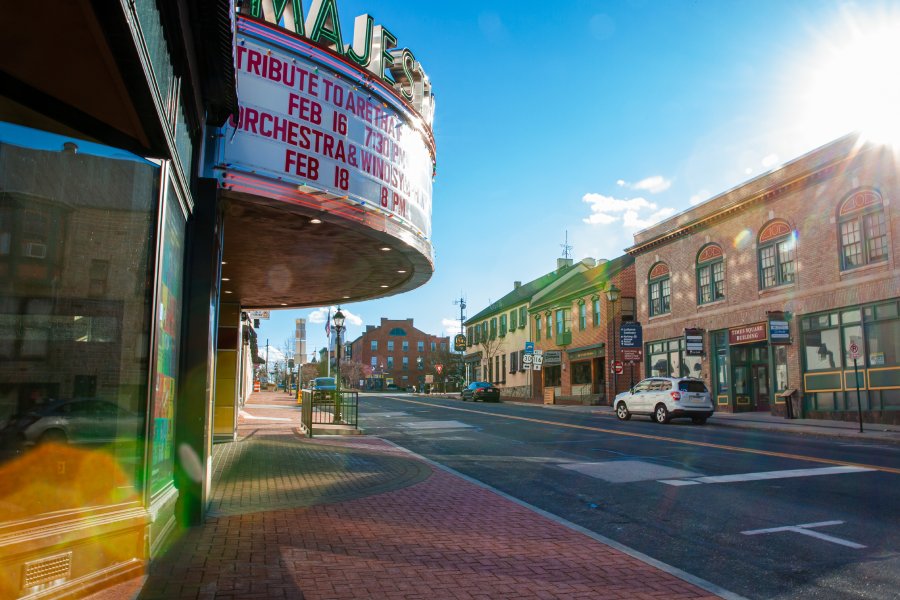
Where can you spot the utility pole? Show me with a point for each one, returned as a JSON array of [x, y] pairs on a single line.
[[267, 362]]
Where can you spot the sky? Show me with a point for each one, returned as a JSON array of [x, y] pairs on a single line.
[[589, 120]]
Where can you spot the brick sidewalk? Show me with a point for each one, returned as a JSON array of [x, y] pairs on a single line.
[[420, 537]]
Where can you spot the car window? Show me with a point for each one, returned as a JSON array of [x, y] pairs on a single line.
[[643, 386], [692, 386]]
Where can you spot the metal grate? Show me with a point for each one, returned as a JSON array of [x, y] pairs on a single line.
[[45, 570]]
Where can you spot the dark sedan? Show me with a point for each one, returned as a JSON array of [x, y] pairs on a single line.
[[480, 390]]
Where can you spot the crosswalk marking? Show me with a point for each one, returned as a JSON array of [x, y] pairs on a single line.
[[790, 473]]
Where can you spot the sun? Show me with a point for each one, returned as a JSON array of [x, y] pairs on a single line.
[[854, 81]]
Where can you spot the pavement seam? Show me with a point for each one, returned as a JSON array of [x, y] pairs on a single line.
[[665, 567]]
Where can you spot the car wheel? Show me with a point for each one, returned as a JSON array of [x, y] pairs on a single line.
[[698, 420], [622, 412], [661, 414], [53, 436]]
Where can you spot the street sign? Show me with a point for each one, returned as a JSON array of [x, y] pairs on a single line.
[[439, 369], [632, 354], [529, 348], [693, 342], [854, 351], [538, 360], [631, 335], [526, 359], [618, 367], [553, 357], [258, 314]]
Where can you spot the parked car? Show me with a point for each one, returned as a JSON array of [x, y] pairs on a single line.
[[324, 383], [76, 421], [323, 389], [666, 398], [480, 390]]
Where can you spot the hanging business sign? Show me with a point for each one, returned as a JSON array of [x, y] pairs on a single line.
[[779, 331], [552, 357], [459, 342], [693, 342], [258, 314]]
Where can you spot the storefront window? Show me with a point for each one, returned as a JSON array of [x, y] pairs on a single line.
[[168, 326], [581, 372], [822, 349], [75, 316], [781, 368]]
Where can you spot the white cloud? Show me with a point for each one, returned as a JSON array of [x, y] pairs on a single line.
[[699, 197], [451, 326], [620, 183], [634, 213], [770, 161], [320, 314], [654, 184]]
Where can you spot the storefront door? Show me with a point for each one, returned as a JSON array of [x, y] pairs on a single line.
[[760, 382]]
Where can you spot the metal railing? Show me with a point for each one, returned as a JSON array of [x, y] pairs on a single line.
[[329, 407]]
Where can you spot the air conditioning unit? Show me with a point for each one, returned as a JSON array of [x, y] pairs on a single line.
[[36, 250]]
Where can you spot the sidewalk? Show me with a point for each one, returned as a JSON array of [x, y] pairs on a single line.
[[356, 517]]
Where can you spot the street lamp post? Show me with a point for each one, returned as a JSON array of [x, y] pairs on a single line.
[[612, 294], [338, 329]]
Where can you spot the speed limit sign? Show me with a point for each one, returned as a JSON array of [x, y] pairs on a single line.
[[854, 351]]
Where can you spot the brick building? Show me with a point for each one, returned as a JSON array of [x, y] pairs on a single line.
[[396, 352], [573, 324], [763, 290]]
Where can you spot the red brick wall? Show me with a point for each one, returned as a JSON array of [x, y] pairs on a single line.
[[810, 207], [362, 352]]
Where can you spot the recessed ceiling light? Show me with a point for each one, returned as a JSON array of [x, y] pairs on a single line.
[[385, 249], [224, 263], [384, 286], [225, 279], [315, 221], [346, 297], [401, 271], [227, 292], [284, 304]]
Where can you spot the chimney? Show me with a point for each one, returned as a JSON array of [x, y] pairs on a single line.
[[589, 262], [563, 262], [517, 285]]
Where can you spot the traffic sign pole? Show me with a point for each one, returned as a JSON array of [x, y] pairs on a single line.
[[854, 354]]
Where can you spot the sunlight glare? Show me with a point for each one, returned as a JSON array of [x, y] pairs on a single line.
[[855, 86]]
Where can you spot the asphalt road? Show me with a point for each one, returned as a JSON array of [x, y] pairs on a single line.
[[699, 498]]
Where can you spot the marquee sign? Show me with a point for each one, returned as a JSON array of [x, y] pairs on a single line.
[[308, 125]]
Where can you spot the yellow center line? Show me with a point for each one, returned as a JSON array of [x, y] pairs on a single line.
[[662, 438]]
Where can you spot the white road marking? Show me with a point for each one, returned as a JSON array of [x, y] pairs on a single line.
[[435, 425], [805, 529], [768, 475]]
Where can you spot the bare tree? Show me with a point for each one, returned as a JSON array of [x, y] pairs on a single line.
[[352, 371], [490, 348]]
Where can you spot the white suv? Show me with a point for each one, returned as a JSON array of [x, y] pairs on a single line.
[[665, 398]]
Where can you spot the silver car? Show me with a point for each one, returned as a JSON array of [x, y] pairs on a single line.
[[87, 421], [666, 398]]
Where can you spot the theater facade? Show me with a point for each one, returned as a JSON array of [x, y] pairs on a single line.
[[784, 292], [145, 206]]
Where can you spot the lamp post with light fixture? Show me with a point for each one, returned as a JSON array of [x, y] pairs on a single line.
[[338, 320], [612, 294]]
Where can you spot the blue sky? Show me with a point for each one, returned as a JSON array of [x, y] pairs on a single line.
[[602, 117]]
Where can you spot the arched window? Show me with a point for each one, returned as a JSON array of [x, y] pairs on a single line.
[[660, 289], [863, 229], [776, 248], [397, 331], [710, 274]]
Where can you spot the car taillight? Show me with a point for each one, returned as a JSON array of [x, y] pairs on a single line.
[[676, 396], [482, 389]]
